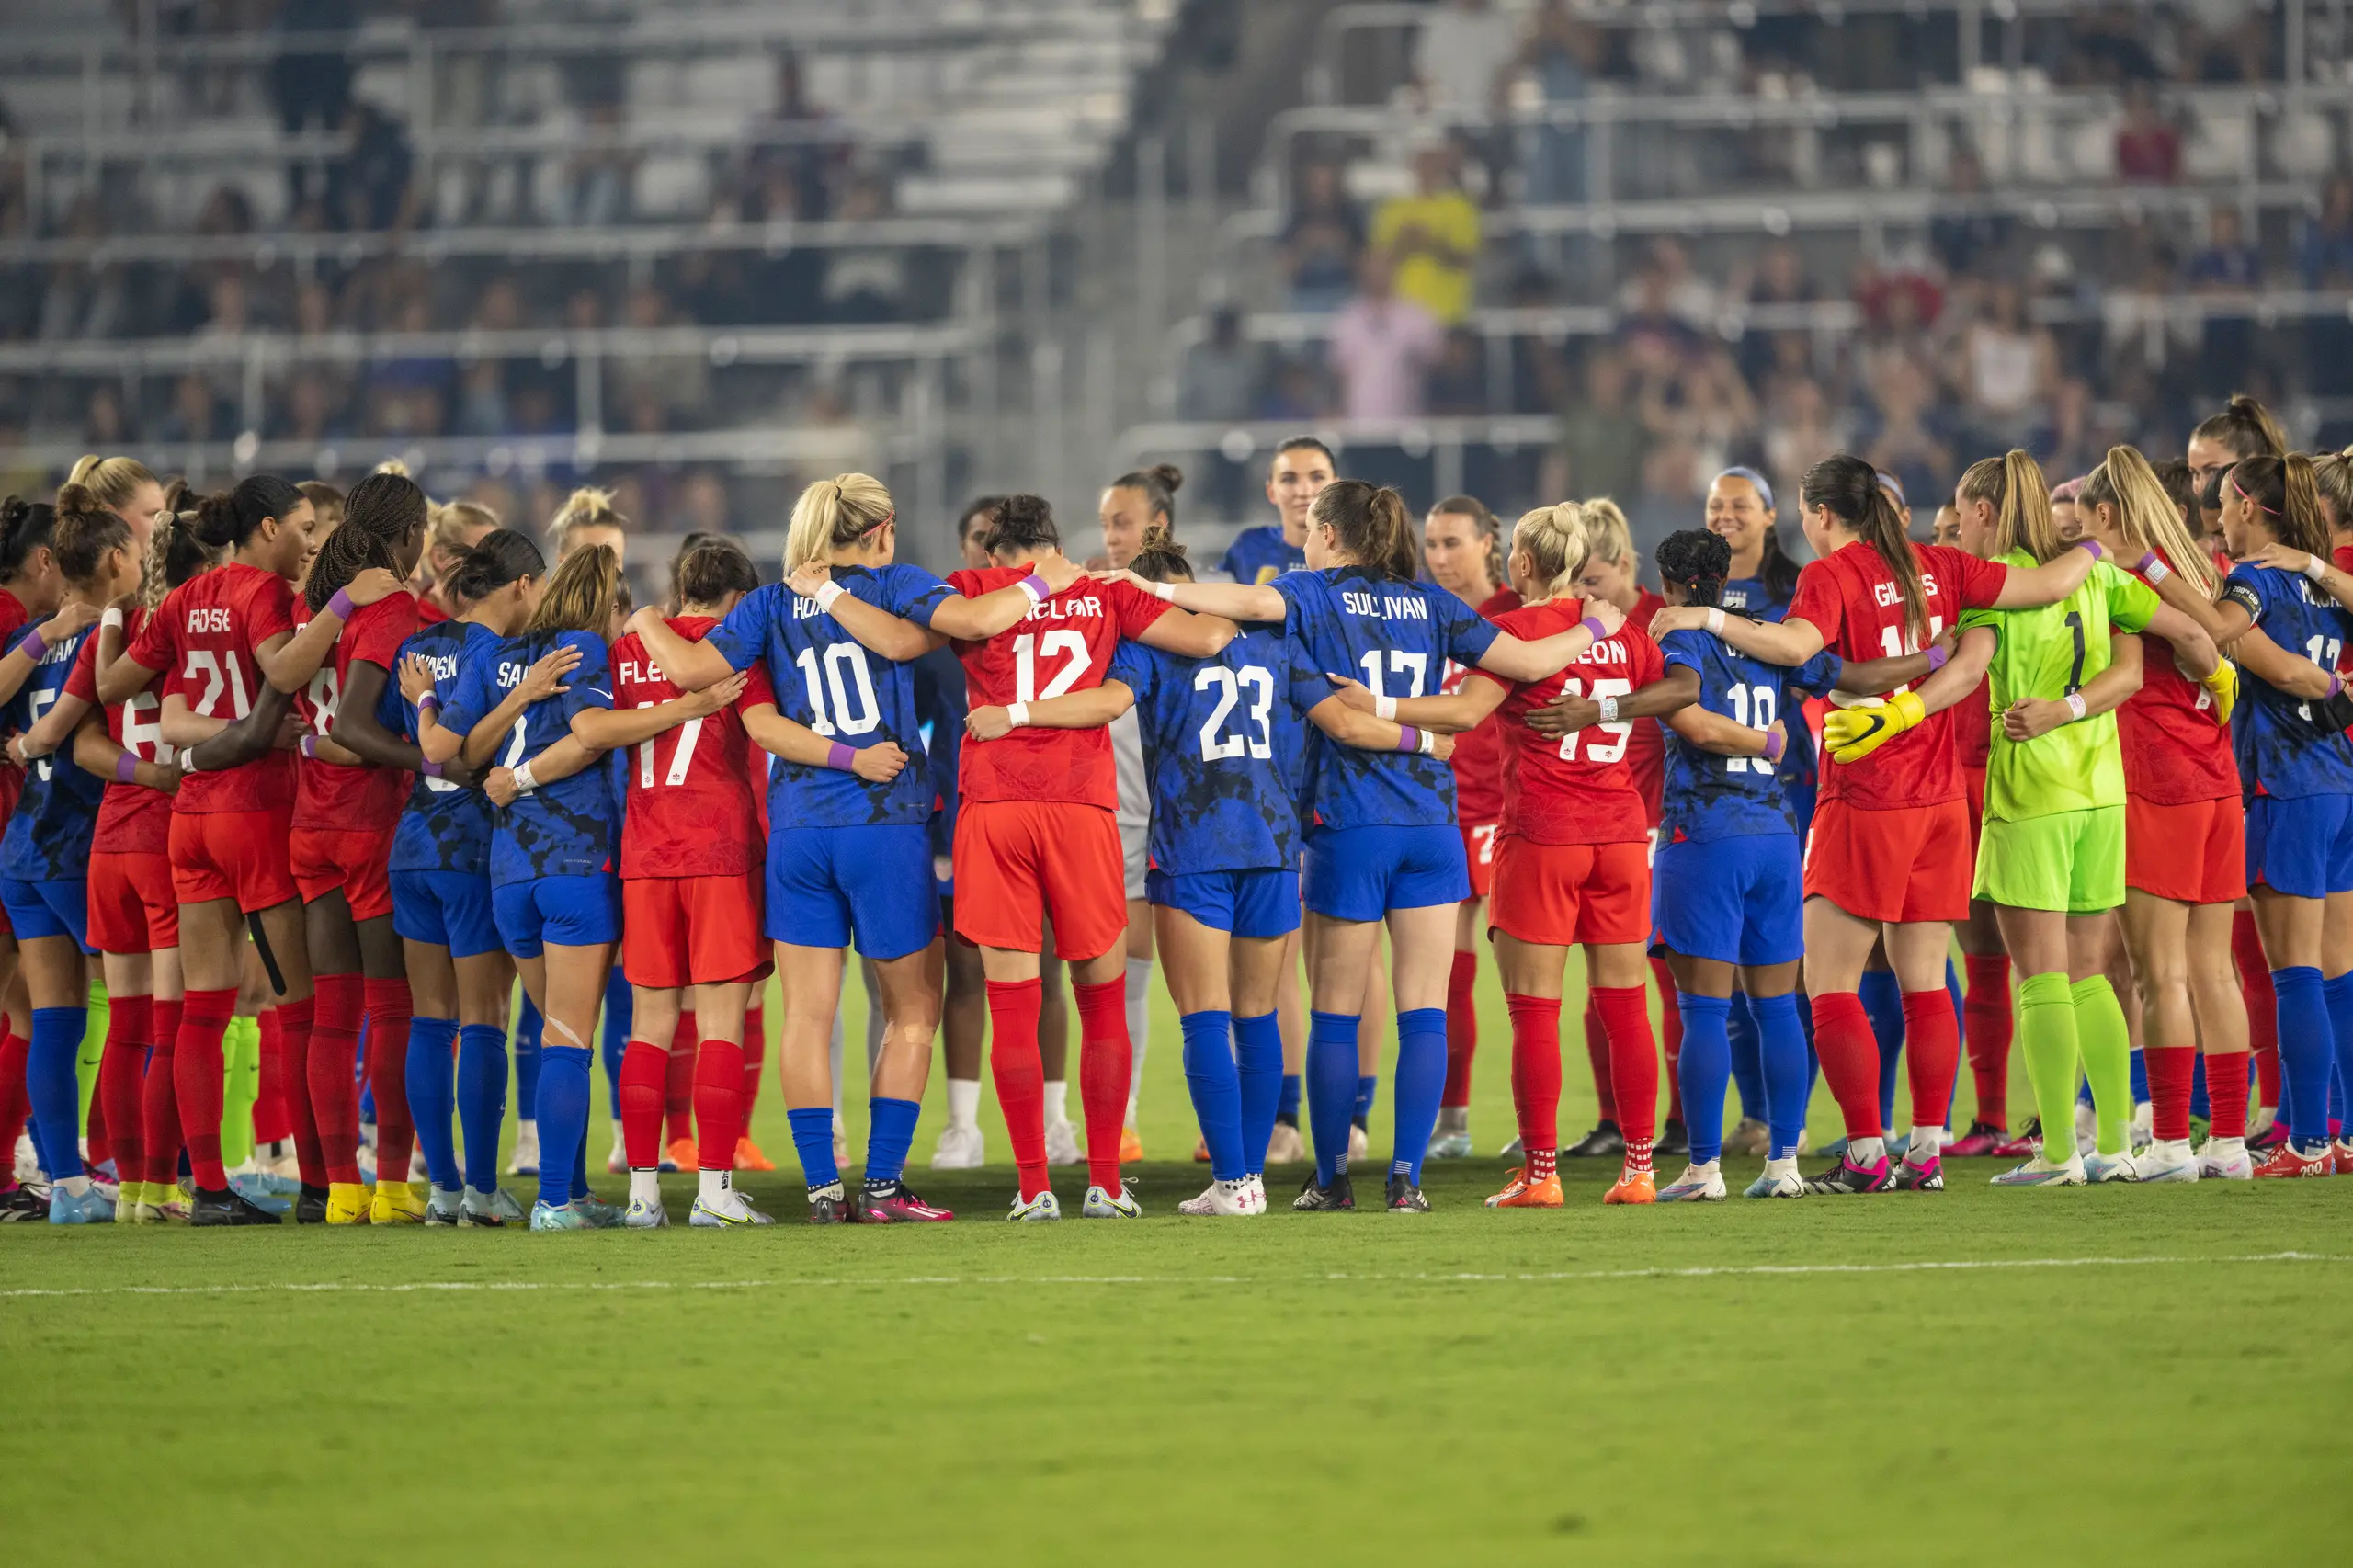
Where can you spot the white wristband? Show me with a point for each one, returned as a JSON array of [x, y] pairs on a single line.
[[1716, 621], [1018, 715], [2315, 568], [2157, 572], [1608, 706], [827, 592], [2076, 703], [1162, 591], [524, 782], [1384, 707], [113, 616], [1427, 741]]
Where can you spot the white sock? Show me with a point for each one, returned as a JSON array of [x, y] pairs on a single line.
[[1927, 1142], [1865, 1151], [74, 1187], [717, 1188], [1786, 1167], [964, 1102], [525, 1126], [1057, 1100], [1139, 1027], [644, 1186]]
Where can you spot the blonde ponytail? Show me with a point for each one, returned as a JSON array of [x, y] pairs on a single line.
[[1556, 540], [2146, 516], [2013, 486], [587, 507], [833, 512]]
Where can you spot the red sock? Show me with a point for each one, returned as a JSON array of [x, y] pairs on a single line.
[[756, 1056], [159, 1099], [2226, 1094], [272, 1120], [678, 1085], [1931, 1053], [1014, 1005], [644, 1068], [2171, 1070], [297, 1021], [1985, 1009], [1596, 1056], [1670, 1038], [199, 1074], [1536, 1073], [16, 1095], [1633, 1059], [1461, 1028], [719, 1102], [328, 1075], [1849, 1055], [389, 1010], [2262, 1005], [1106, 1064], [131, 1025]]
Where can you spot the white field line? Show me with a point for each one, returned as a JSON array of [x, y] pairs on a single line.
[[1705, 1271]]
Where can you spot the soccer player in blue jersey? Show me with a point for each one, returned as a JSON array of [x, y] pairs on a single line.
[[1385, 847], [440, 870], [1302, 466], [1724, 885]]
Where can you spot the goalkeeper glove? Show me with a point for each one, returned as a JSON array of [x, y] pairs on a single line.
[[2222, 685], [1853, 733]]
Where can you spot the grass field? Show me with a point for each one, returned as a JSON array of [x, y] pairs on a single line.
[[1977, 1376]]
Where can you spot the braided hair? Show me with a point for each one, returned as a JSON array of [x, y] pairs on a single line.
[[175, 553], [1697, 561], [383, 518]]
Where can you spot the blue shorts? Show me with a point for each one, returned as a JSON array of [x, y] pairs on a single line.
[[48, 909], [2304, 847], [1735, 900], [832, 887], [1362, 873], [571, 912], [1259, 902], [446, 909]]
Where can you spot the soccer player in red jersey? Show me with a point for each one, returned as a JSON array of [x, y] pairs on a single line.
[[1888, 856], [1462, 548], [226, 637]]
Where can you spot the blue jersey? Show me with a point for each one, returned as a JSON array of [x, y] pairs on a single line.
[[1711, 796], [444, 826], [1224, 749], [1260, 555], [566, 828], [47, 839], [2284, 746], [1750, 596], [827, 680], [1396, 637]]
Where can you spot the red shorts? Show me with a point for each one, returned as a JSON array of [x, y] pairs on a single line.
[[132, 909], [349, 863], [238, 855], [1479, 852], [1018, 861], [692, 931], [2190, 854], [1972, 785], [1902, 866], [1560, 895]]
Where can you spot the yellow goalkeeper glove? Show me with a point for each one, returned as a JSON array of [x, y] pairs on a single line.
[[1853, 733], [2222, 685]]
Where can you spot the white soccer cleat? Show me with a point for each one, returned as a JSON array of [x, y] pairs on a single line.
[[1043, 1208], [2142, 1131], [961, 1149], [2099, 1169], [2166, 1160], [1102, 1205], [1286, 1147], [1223, 1198], [841, 1142], [646, 1215], [1257, 1180], [2225, 1159], [2260, 1122], [1358, 1142], [616, 1153], [2087, 1128], [1061, 1143], [724, 1213], [526, 1160], [28, 1159], [1698, 1183], [1781, 1180], [2040, 1172]]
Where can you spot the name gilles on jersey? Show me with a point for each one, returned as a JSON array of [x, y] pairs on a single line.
[[1887, 596]]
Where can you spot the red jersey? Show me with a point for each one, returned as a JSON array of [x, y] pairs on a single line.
[[133, 819], [203, 638], [1972, 728], [13, 616], [428, 613], [1478, 759], [330, 795], [2174, 754], [1852, 599], [1063, 646], [1646, 745], [1580, 789], [692, 810]]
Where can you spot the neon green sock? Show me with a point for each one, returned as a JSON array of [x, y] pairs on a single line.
[[2047, 1036], [2107, 1058], [94, 1045], [241, 1058]]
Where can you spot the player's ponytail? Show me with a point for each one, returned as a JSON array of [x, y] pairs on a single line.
[[228, 518], [1555, 542], [113, 481], [587, 507], [2147, 516], [2333, 478], [582, 594], [1697, 561], [498, 558], [710, 568], [175, 553], [2245, 428], [384, 525], [2281, 489], [1849, 489], [1159, 558], [2012, 485], [85, 533], [1370, 524], [1158, 485], [25, 527], [1021, 527], [833, 514]]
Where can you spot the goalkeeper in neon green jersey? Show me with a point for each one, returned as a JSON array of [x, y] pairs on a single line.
[[2052, 859]]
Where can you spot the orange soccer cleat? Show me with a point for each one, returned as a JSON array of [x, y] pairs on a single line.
[[1632, 1186], [1131, 1145], [681, 1153], [1520, 1193], [749, 1158], [1201, 1152]]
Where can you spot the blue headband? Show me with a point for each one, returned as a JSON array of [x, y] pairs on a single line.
[[1887, 482], [1764, 490]]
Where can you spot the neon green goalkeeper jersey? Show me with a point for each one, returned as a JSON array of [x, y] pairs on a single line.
[[2047, 654]]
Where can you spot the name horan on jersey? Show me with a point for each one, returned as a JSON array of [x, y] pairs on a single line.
[[1389, 607]]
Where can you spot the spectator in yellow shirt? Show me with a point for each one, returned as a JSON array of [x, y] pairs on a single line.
[[1433, 236]]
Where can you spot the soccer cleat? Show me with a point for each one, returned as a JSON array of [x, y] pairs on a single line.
[[1101, 1205], [1835, 1148], [258, 1178], [491, 1211], [226, 1207], [960, 1149], [2087, 1128], [841, 1143], [1781, 1180], [2040, 1172], [258, 1189], [646, 1214], [1400, 1196], [90, 1208], [828, 1205], [1285, 1146], [1981, 1138], [1632, 1186], [2099, 1167], [2225, 1159], [558, 1217], [2289, 1163], [900, 1206], [1751, 1137], [1257, 1199], [1675, 1138], [349, 1203], [2022, 1147], [728, 1210], [1846, 1178], [2267, 1131], [1698, 1183], [526, 1160], [1451, 1146], [444, 1210], [1514, 1150], [1043, 1208], [1061, 1143], [1911, 1178], [1201, 1152], [126, 1202], [2344, 1157], [311, 1206], [1520, 1193], [395, 1204], [749, 1157], [1604, 1143], [1340, 1197], [27, 1165], [1228, 1199], [617, 1157], [1131, 1145], [600, 1215], [682, 1156], [2142, 1130], [26, 1201], [2166, 1160], [1359, 1141]]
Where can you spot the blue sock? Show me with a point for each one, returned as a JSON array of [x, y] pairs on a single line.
[[890, 1127], [1287, 1100], [1705, 1069], [1883, 1004], [1258, 1067], [580, 1145], [812, 1135], [482, 1100], [527, 1029], [56, 1091], [2200, 1106], [2339, 995], [1215, 1083], [433, 1097], [1747, 1065], [2139, 1078], [620, 1011], [1365, 1087], [2305, 1055], [1788, 1070], [564, 1119], [1420, 1085], [1331, 1090]]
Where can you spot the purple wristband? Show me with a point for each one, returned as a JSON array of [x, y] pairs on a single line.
[[32, 647], [1776, 743], [430, 767], [1037, 588], [840, 757], [1938, 655], [126, 769], [2335, 685], [429, 700], [1409, 739], [1593, 625], [310, 746], [2093, 546], [340, 605]]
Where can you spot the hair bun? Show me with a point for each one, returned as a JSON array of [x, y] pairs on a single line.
[[216, 520], [1171, 477], [73, 497]]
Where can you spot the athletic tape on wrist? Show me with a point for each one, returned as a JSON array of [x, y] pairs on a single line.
[[2153, 568], [827, 592], [525, 782], [2315, 568], [1162, 591], [1384, 707], [113, 616], [1716, 621], [1017, 714], [2076, 703], [1608, 706]]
